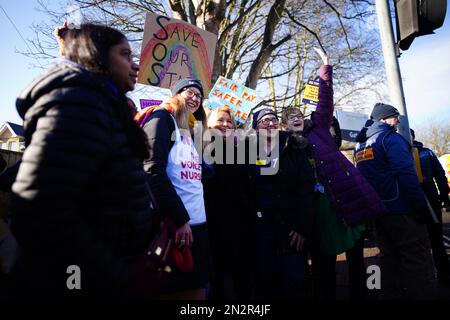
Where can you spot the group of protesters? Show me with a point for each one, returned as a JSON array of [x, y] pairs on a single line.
[[265, 211]]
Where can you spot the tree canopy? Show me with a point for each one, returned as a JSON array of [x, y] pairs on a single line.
[[266, 45]]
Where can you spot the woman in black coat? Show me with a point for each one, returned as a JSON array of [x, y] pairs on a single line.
[[228, 208], [82, 213], [283, 184]]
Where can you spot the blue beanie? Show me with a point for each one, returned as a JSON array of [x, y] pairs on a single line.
[[185, 83], [382, 111], [261, 113]]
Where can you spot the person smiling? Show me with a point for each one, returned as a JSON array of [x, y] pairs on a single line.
[[192, 91], [81, 201], [174, 172], [227, 211], [282, 227]]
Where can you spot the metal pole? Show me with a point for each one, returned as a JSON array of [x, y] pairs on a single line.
[[391, 65]]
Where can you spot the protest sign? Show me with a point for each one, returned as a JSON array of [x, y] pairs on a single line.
[[311, 92], [350, 123], [173, 49], [238, 97], [145, 103]]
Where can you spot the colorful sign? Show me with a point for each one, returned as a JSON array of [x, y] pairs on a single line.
[[145, 103], [238, 97], [311, 93], [173, 49]]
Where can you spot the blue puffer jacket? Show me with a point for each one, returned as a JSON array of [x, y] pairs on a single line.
[[386, 161]]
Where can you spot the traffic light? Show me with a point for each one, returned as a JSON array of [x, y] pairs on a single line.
[[416, 18]]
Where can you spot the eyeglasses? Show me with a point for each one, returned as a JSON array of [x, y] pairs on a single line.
[[266, 121], [293, 117], [191, 94]]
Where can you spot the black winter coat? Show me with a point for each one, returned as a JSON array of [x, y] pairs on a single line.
[[229, 212], [159, 130], [80, 194], [293, 186]]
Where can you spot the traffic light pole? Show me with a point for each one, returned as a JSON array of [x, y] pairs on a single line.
[[391, 65]]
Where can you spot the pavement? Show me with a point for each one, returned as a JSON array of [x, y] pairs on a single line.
[[371, 258]]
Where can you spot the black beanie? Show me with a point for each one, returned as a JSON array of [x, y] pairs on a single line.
[[185, 83], [261, 113], [382, 111]]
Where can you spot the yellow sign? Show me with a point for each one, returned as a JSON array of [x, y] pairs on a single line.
[[311, 93]]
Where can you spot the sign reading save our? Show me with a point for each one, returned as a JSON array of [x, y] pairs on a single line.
[[238, 97], [311, 93], [173, 49]]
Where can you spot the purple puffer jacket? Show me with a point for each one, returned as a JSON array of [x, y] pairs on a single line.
[[352, 197]]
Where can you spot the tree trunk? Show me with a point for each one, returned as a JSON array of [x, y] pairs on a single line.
[[211, 16], [267, 47]]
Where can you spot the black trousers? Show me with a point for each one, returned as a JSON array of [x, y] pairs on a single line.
[[440, 256], [357, 271]]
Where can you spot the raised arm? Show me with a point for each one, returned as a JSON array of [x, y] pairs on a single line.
[[323, 115]]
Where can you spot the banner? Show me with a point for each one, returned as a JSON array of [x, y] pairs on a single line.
[[173, 49], [350, 123], [311, 92], [145, 103], [238, 97]]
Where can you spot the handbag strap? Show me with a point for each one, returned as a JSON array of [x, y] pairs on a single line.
[[154, 203]]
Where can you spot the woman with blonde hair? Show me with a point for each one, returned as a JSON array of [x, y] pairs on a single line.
[[228, 210], [174, 173]]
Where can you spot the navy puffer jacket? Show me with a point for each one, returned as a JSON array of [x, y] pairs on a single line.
[[385, 159]]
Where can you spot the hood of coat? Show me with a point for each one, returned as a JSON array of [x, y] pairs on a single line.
[[378, 127], [362, 135], [418, 144], [50, 87], [63, 73]]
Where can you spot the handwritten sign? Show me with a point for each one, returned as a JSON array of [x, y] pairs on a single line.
[[238, 97], [145, 103], [173, 49], [311, 93]]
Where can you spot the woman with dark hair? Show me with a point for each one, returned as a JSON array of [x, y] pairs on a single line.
[[82, 213]]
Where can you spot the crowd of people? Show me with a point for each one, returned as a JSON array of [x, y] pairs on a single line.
[[263, 213]]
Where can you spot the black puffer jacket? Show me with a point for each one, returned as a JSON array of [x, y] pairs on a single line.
[[80, 194]]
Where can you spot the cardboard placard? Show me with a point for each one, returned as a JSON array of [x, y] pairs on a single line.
[[145, 103], [234, 95], [311, 93], [173, 49]]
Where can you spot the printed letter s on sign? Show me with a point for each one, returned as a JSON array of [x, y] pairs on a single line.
[[74, 280]]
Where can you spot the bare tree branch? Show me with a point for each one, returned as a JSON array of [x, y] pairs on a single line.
[[340, 21], [307, 29]]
